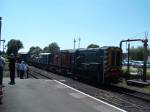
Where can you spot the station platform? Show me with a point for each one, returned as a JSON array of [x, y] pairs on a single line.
[[39, 95]]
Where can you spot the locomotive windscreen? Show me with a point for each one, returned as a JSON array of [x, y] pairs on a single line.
[[115, 58], [118, 59]]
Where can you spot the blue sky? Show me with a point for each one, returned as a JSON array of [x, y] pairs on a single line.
[[103, 22]]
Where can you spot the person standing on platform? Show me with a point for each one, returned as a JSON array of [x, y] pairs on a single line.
[[12, 69], [2, 64], [22, 68], [27, 70], [18, 69]]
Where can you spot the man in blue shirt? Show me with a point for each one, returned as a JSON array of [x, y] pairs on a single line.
[[22, 68]]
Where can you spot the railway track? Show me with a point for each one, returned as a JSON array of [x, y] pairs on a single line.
[[121, 97], [37, 75], [130, 92]]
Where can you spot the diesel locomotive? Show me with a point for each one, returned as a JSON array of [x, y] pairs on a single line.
[[101, 65]]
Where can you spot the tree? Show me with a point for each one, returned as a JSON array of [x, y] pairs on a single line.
[[136, 53], [93, 46], [35, 50], [52, 48], [46, 49], [13, 46]]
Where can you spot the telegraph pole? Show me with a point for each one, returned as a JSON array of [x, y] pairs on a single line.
[[74, 43], [79, 42]]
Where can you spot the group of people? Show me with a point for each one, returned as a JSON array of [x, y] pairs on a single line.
[[22, 69], [21, 66]]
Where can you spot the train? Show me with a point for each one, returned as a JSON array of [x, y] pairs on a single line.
[[100, 65]]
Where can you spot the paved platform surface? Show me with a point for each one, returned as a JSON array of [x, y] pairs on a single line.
[[38, 95]]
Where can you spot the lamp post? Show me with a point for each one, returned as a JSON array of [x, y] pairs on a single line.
[[0, 31], [3, 44], [0, 34], [74, 43]]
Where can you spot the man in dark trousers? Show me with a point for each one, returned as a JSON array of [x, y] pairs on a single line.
[[12, 68]]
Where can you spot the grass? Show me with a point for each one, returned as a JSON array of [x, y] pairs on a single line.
[[148, 74], [135, 71], [147, 88]]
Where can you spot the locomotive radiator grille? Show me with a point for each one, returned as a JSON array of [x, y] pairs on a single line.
[[106, 61]]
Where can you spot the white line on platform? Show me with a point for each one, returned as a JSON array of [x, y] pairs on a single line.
[[90, 96]]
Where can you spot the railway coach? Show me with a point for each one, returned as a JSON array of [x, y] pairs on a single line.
[[62, 62]]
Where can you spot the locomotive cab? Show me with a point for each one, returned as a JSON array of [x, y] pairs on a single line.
[[112, 64], [101, 65]]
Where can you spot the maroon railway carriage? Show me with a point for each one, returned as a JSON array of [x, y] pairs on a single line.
[[62, 61]]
